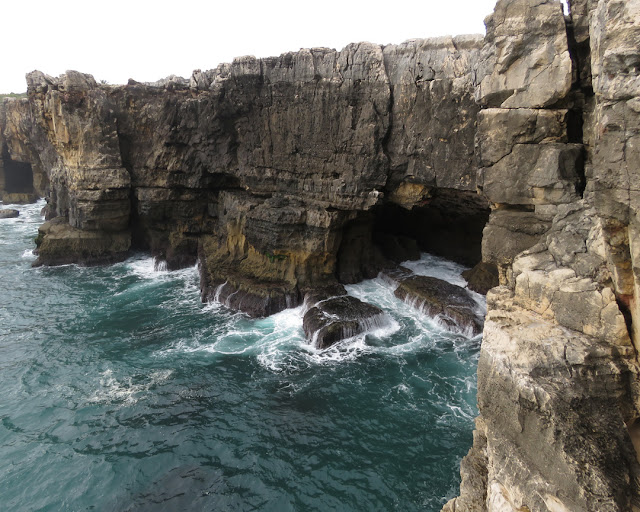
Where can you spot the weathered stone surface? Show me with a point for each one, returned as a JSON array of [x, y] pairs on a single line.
[[9, 214], [548, 174], [525, 62], [262, 163], [473, 469], [615, 48], [500, 130], [555, 404], [22, 174], [558, 375], [280, 175], [508, 233], [482, 277], [449, 303], [335, 319], [429, 80], [59, 243]]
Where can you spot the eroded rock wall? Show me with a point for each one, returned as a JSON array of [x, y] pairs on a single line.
[[276, 173], [23, 176], [256, 166], [558, 370]]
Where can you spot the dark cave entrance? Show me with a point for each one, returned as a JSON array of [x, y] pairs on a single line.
[[18, 176], [449, 224]]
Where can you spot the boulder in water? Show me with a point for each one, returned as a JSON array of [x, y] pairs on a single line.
[[9, 214], [437, 298], [338, 318]]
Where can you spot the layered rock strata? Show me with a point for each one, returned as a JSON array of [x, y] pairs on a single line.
[[23, 176], [558, 370], [274, 173], [287, 176]]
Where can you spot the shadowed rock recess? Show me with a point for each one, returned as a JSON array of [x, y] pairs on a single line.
[[517, 153]]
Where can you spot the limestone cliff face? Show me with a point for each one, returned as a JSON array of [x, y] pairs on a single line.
[[558, 371], [23, 175], [265, 169], [288, 176]]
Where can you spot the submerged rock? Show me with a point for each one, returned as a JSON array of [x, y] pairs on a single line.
[[338, 318], [9, 214], [437, 298]]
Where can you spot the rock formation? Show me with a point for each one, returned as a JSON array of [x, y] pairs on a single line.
[[285, 177], [23, 176], [280, 175], [558, 370]]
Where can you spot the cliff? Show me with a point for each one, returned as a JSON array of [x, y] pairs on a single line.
[[288, 177], [558, 371], [274, 172]]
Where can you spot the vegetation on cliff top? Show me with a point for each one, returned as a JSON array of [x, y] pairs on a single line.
[[13, 95]]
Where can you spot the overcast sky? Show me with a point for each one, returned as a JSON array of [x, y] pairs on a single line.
[[116, 40]]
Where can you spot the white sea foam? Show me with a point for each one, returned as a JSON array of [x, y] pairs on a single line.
[[278, 341], [111, 390]]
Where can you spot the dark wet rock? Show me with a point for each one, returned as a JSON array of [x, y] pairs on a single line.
[[332, 320], [394, 276], [9, 214], [58, 243], [437, 298], [397, 248], [482, 277]]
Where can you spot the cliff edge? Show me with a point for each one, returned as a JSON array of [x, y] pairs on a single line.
[[287, 177]]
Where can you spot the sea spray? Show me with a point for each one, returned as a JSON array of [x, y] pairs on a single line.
[[121, 389]]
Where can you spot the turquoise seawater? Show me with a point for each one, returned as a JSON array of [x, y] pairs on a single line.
[[119, 390]]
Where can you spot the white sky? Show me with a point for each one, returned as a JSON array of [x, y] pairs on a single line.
[[115, 40]]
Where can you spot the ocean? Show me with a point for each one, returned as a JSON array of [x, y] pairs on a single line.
[[120, 390]]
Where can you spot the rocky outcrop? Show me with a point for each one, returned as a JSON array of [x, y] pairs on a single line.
[[9, 214], [450, 305], [335, 319], [23, 176], [289, 175], [558, 370], [262, 169]]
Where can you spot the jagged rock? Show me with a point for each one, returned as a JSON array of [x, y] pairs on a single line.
[[555, 403], [500, 130], [9, 214], [437, 298], [279, 173], [508, 233], [429, 79], [615, 46], [525, 62], [335, 319], [548, 174], [473, 470], [482, 277], [22, 171]]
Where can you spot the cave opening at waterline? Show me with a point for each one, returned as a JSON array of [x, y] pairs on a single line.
[[18, 176], [448, 224]]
